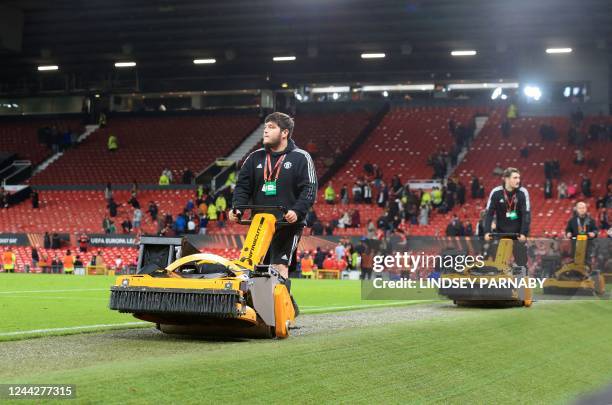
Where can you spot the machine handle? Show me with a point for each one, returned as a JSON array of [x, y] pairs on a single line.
[[579, 237], [265, 208], [501, 235]]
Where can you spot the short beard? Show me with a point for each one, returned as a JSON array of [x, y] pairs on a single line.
[[273, 145]]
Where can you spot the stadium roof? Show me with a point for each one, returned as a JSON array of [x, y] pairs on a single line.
[[327, 38]]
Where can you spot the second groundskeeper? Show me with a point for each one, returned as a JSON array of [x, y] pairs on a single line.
[[278, 174], [509, 205]]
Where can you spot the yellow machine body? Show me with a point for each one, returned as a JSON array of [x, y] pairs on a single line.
[[576, 278], [490, 296], [234, 304]]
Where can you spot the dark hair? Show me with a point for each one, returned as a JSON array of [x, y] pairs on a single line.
[[509, 171], [283, 121]]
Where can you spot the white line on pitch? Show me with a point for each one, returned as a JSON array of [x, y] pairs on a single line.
[[54, 291], [53, 297], [85, 327]]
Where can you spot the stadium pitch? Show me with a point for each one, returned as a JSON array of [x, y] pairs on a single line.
[[431, 352], [44, 304]]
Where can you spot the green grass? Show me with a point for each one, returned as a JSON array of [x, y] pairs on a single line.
[[41, 301], [546, 354], [47, 301]]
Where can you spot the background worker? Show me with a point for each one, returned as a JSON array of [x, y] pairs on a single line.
[[509, 205], [307, 265], [9, 260], [581, 224], [68, 261]]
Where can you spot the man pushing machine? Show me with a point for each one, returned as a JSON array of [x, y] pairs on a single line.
[[279, 174], [512, 209]]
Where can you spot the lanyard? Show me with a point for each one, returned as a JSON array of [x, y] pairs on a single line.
[[510, 203], [268, 168], [581, 227]]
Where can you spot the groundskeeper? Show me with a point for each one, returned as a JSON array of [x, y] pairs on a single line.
[[279, 174]]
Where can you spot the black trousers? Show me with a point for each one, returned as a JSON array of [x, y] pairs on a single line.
[[366, 273], [283, 247]]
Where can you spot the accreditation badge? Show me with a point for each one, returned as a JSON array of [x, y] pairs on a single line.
[[269, 188]]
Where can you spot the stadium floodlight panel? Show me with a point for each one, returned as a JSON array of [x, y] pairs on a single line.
[[125, 64], [533, 92], [496, 93], [204, 61], [480, 86], [558, 50], [331, 89], [283, 58], [467, 52], [399, 87], [378, 55], [47, 67]]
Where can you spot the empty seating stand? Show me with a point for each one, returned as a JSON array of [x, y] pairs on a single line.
[[148, 145], [329, 131], [20, 136], [403, 142]]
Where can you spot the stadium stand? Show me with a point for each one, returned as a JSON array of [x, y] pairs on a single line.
[[21, 136], [404, 140], [74, 211], [82, 211], [491, 148], [128, 255], [24, 256], [328, 132], [147, 146], [398, 147]]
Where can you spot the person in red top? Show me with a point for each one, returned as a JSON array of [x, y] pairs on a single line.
[[83, 242], [341, 264], [402, 231], [329, 263]]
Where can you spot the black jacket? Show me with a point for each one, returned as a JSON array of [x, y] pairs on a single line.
[[497, 204], [296, 185], [574, 227]]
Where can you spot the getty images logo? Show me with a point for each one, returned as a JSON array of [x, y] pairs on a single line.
[[407, 261]]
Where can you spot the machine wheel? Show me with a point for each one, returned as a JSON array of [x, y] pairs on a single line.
[[600, 284], [528, 298], [281, 330], [284, 311]]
